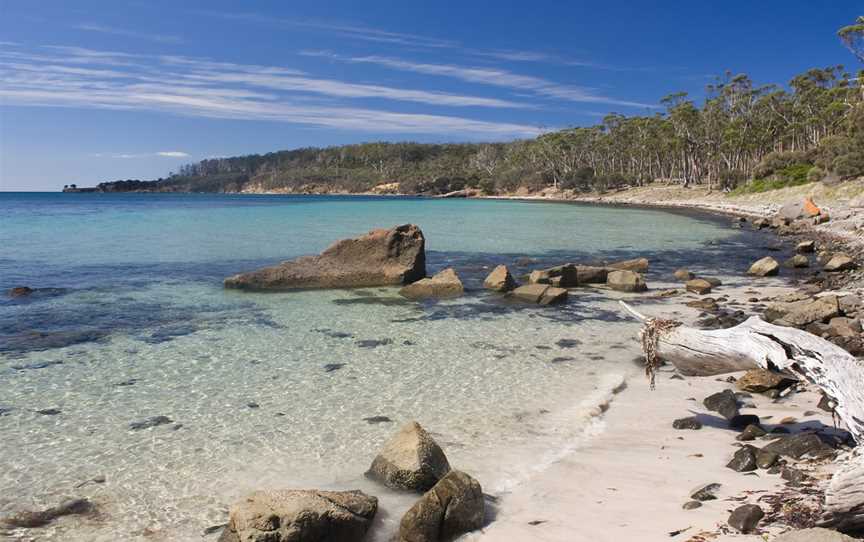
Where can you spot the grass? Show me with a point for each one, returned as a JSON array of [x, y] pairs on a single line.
[[794, 175]]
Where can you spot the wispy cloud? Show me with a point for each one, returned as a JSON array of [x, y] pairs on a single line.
[[172, 154], [194, 87], [129, 155], [161, 38], [488, 76], [349, 30]]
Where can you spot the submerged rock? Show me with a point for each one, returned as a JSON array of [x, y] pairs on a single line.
[[20, 291], [454, 506], [563, 276], [444, 284], [626, 281], [31, 519], [295, 515], [410, 460], [542, 294], [378, 258], [150, 422], [797, 261], [500, 280]]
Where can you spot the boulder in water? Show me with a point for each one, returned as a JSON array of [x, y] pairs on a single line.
[[454, 506], [542, 294], [20, 291], [699, 286], [378, 258], [443, 284], [292, 515], [500, 280], [637, 264], [410, 460], [765, 267]]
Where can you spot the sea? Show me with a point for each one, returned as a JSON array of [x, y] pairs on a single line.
[[129, 323]]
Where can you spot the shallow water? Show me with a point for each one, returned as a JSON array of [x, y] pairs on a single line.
[[271, 390]]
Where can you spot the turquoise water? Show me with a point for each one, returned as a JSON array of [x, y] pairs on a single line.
[[130, 321]]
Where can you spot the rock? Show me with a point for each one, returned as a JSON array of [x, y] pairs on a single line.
[[765, 267], [817, 534], [851, 304], [840, 262], [454, 506], [792, 210], [761, 223], [378, 258], [410, 460], [713, 281], [292, 515], [744, 460], [800, 445], [20, 291], [698, 286], [49, 411], [32, 519], [444, 284], [150, 422], [684, 274], [798, 261], [705, 304], [377, 419], [766, 460], [751, 432], [742, 421], [565, 276], [801, 313], [540, 293], [745, 518], [805, 247], [500, 280], [638, 264], [687, 423], [762, 380], [793, 476], [723, 403], [587, 274], [626, 281], [844, 327], [824, 256], [691, 505], [706, 492], [826, 403]]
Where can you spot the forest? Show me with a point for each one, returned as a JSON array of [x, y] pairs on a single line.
[[743, 136]]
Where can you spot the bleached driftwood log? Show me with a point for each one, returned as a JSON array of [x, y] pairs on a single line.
[[758, 344]]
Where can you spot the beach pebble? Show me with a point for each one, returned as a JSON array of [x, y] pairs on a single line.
[[687, 423], [751, 432], [765, 459], [691, 505], [705, 492], [745, 518]]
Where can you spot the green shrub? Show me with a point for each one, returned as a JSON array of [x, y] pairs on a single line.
[[792, 175], [815, 175], [774, 162], [849, 165]]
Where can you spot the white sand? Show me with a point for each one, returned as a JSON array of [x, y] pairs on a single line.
[[630, 481]]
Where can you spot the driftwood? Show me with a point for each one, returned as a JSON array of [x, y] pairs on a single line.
[[758, 344]]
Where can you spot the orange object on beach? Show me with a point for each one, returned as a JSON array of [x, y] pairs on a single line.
[[810, 208]]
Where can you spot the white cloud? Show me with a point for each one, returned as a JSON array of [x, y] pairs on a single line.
[[203, 88], [488, 76], [173, 154], [161, 38], [129, 155]]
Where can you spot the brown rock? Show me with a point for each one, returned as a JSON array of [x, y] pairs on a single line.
[[20, 291], [761, 380], [765, 267], [801, 313], [540, 293], [684, 274], [294, 515], [564, 276], [500, 280], [638, 264], [840, 262], [33, 519], [454, 506], [745, 518], [587, 274], [410, 460], [444, 284], [626, 281], [699, 286], [798, 261], [705, 304], [844, 327], [378, 258], [805, 247]]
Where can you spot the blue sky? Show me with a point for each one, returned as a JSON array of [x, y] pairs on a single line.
[[95, 91]]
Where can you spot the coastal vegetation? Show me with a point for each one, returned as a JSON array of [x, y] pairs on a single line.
[[743, 136]]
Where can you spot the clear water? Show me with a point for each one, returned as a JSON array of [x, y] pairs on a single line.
[[130, 321]]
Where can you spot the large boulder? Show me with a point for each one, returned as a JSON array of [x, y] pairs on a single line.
[[638, 264], [542, 294], [806, 311], [797, 261], [800, 445], [626, 281], [563, 276], [765, 267], [454, 506], [698, 286], [500, 280], [590, 274], [378, 258], [410, 460], [840, 262], [443, 284], [762, 380], [294, 515]]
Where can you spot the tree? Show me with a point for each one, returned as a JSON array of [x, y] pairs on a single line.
[[852, 37]]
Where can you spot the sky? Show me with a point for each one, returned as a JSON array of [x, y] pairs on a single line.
[[93, 91]]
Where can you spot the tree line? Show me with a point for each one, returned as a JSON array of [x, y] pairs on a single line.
[[741, 135]]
